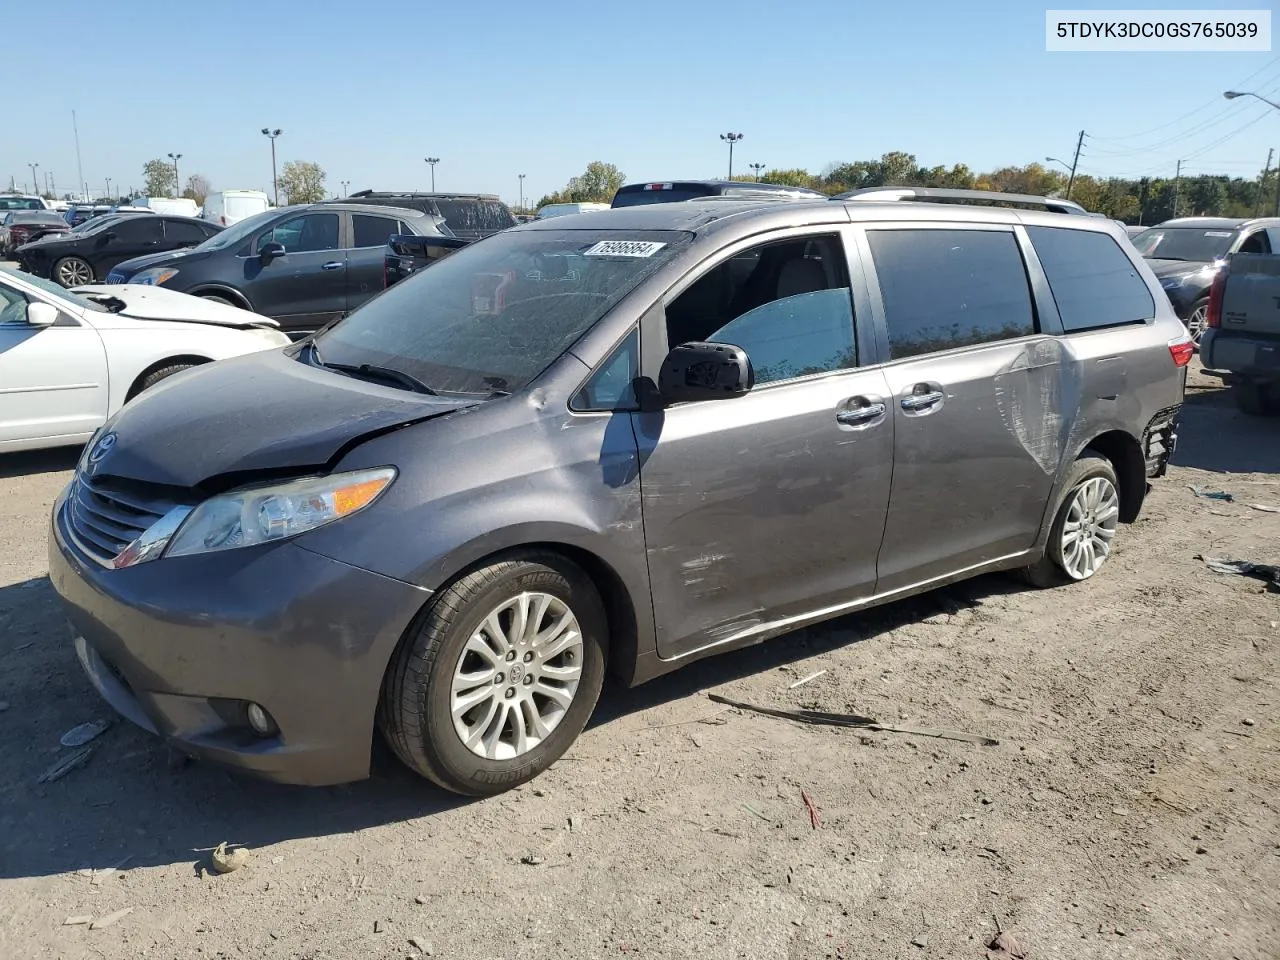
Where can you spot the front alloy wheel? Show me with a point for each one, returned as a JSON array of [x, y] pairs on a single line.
[[1197, 322], [73, 272], [517, 676]]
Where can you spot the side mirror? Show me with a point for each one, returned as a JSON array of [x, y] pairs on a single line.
[[41, 314], [270, 251], [705, 371]]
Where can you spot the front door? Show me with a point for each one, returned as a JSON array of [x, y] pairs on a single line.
[[982, 401], [53, 380], [128, 237], [307, 287], [767, 508]]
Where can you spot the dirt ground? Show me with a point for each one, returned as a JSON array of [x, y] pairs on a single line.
[[1129, 809]]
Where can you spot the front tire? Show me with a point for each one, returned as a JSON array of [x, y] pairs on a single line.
[[155, 376], [73, 272], [1198, 320], [1084, 524], [498, 676]]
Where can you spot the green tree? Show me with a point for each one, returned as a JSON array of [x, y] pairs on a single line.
[[197, 188], [597, 184], [302, 181], [160, 178]]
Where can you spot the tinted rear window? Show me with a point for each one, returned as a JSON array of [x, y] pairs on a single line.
[[950, 288], [633, 198], [1093, 282], [20, 203], [475, 215]]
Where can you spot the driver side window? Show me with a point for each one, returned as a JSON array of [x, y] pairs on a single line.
[[309, 233], [787, 303]]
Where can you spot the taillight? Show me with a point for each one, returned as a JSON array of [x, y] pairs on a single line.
[[1213, 315], [1182, 350]]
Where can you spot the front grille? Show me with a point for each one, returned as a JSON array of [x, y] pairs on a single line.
[[103, 519]]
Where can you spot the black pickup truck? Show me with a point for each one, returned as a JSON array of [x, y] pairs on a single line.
[[1241, 340], [407, 253]]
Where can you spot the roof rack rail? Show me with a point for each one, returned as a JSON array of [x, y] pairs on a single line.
[[935, 194]]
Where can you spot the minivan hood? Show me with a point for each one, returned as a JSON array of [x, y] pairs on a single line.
[[145, 302], [254, 417]]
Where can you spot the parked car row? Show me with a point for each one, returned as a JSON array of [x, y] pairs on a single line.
[[74, 258], [22, 226]]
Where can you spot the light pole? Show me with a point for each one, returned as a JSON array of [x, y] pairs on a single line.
[[757, 167], [1231, 95], [275, 181], [35, 181], [731, 139], [108, 188], [346, 184], [177, 184], [522, 193], [1065, 166], [432, 161]]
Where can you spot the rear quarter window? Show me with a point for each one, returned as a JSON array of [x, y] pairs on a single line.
[[1093, 283]]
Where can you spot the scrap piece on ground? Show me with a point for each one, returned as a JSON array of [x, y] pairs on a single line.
[[81, 734], [66, 764], [1267, 572], [225, 861], [1004, 946], [110, 919]]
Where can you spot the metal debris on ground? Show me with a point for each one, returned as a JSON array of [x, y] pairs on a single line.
[[532, 859], [1267, 572], [227, 861], [815, 820], [78, 921], [1005, 947], [67, 763], [110, 919], [819, 718], [803, 681], [1264, 507], [1211, 494], [79, 735]]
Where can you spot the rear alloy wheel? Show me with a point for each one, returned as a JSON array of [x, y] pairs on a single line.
[[499, 675], [1198, 321], [73, 272], [1084, 525]]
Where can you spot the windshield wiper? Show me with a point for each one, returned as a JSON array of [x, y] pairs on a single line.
[[372, 371]]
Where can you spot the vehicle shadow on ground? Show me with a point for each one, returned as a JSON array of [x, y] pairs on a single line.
[[38, 461], [126, 805], [1244, 445]]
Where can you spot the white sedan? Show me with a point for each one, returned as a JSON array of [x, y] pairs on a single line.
[[69, 359]]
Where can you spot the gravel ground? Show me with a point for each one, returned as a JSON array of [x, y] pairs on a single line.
[[1129, 809]]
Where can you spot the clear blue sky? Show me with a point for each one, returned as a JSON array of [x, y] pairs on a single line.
[[496, 88]]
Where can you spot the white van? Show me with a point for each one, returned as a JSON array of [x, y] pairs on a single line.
[[562, 209], [175, 206], [231, 206]]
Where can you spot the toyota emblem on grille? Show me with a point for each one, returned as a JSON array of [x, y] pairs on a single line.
[[102, 448]]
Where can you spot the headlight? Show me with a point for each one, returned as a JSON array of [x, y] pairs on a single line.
[[154, 276], [1169, 283], [264, 514]]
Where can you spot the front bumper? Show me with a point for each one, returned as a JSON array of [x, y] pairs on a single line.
[[179, 646]]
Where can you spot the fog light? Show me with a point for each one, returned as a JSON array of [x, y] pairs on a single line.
[[261, 721]]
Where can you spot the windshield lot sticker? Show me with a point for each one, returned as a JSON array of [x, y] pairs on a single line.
[[1217, 233], [624, 248]]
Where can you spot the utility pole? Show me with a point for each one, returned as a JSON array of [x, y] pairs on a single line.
[[1142, 199], [1177, 187], [1074, 161], [1262, 181], [275, 180], [730, 139], [757, 167], [53, 187], [35, 181], [432, 161], [79, 166]]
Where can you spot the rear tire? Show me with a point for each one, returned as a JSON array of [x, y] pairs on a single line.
[[1084, 523], [480, 697], [1257, 399], [73, 272]]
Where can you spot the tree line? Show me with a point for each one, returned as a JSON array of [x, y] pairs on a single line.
[[1144, 200], [301, 181]]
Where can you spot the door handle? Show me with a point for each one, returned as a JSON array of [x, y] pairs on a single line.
[[856, 415], [332, 265], [922, 401]]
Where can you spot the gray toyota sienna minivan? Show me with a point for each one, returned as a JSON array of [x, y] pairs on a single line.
[[616, 441]]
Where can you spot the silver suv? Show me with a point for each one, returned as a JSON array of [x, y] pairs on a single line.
[[612, 441]]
